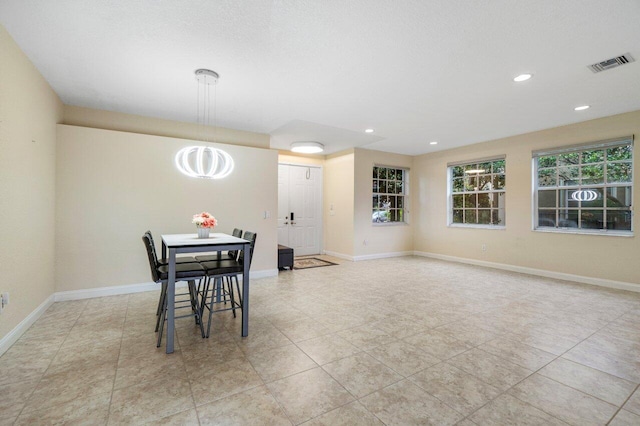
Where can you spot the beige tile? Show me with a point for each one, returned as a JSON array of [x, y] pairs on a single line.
[[588, 380], [366, 336], [71, 381], [625, 418], [467, 333], [280, 362], [303, 329], [220, 380], [459, 390], [83, 410], [184, 418], [15, 396], [438, 344], [586, 354], [261, 337], [253, 407], [309, 394], [7, 421], [405, 403], [327, 348], [401, 326], [150, 401], [99, 351], [403, 358], [353, 414], [563, 402], [199, 358], [14, 368], [361, 374], [633, 404], [507, 410], [547, 342], [151, 367], [524, 355], [491, 369]]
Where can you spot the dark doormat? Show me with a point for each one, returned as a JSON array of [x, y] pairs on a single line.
[[310, 262]]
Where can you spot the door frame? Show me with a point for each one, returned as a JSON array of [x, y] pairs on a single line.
[[321, 204]]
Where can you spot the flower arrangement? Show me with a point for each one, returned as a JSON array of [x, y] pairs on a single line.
[[204, 220]]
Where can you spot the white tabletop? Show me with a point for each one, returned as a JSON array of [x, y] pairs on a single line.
[[181, 240]]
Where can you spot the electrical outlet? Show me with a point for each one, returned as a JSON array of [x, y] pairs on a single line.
[[484, 247]]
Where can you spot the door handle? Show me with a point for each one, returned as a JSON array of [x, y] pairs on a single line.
[[293, 223]]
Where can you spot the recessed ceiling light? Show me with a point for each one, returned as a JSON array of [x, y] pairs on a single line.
[[433, 143], [582, 108], [369, 131], [522, 77]]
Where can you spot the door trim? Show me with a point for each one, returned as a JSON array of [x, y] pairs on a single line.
[[316, 166]]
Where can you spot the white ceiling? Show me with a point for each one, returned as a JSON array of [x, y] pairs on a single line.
[[414, 70]]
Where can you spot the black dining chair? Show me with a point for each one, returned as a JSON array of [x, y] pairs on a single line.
[[228, 269], [163, 261], [231, 254], [189, 272]]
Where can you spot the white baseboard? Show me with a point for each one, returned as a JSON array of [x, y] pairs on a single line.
[[619, 285], [382, 255], [90, 293], [264, 273], [338, 255], [12, 336]]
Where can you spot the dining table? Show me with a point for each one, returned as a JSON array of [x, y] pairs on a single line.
[[173, 244]]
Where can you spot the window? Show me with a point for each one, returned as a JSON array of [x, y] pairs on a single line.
[[389, 194], [585, 188], [477, 193]]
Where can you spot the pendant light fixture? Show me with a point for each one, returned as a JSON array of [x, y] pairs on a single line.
[[205, 161]]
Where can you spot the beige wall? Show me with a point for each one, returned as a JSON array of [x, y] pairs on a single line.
[[380, 239], [595, 256], [29, 111], [110, 120], [339, 193], [293, 158], [113, 186]]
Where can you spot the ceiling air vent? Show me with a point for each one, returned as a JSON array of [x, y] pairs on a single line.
[[611, 63]]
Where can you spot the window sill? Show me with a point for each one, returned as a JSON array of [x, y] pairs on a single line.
[[469, 226], [584, 232], [389, 224]]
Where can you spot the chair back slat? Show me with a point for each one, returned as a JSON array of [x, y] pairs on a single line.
[[153, 260], [250, 236], [233, 254]]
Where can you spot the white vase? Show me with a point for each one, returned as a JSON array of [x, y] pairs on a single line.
[[203, 232]]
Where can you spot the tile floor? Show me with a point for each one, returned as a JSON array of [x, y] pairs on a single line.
[[394, 341]]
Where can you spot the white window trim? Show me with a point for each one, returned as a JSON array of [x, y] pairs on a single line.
[[450, 166], [604, 144], [405, 195]]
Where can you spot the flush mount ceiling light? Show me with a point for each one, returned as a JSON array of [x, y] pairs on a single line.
[[433, 143], [203, 161], [307, 147], [369, 130], [522, 77], [582, 107]]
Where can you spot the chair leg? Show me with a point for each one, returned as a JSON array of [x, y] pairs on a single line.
[[231, 296], [195, 306], [161, 303], [239, 292], [161, 319]]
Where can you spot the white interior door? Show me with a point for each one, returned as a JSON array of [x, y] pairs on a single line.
[[299, 208]]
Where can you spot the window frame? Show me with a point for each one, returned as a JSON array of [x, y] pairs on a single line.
[[493, 191], [404, 195], [601, 189]]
